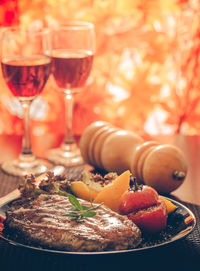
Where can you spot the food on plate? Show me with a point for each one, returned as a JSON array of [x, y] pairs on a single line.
[[152, 219], [97, 181], [137, 197], [164, 167], [49, 221], [171, 207], [90, 184], [111, 193], [142, 205], [83, 191], [49, 184], [112, 212]]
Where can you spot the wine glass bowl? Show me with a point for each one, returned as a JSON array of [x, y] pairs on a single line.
[[73, 46], [26, 66], [27, 79]]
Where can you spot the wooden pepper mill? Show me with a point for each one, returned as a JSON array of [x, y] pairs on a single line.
[[104, 146]]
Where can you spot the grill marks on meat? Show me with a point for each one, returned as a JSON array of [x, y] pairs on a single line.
[[40, 221]]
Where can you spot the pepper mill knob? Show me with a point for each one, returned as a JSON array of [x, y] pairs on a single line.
[[163, 167]]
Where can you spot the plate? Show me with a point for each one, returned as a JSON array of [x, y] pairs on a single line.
[[179, 224]]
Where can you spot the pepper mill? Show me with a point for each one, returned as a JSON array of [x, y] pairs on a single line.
[[164, 167]]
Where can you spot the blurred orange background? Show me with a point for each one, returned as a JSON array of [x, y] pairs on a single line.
[[145, 77]]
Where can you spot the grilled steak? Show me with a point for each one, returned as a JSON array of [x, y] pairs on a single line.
[[40, 221]]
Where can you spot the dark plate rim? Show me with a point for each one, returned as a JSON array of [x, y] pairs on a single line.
[[183, 233]]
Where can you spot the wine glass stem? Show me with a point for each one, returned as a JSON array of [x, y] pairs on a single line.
[[69, 105], [26, 140]]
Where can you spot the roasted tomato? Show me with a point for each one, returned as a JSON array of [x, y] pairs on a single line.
[[137, 197], [151, 220]]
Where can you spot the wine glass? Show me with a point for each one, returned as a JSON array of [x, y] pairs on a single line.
[[73, 46], [26, 66]]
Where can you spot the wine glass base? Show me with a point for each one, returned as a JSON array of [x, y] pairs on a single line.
[[66, 158], [21, 168]]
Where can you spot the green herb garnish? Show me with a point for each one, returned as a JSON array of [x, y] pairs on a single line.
[[80, 212]]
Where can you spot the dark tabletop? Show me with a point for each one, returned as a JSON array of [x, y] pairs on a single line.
[[183, 254]]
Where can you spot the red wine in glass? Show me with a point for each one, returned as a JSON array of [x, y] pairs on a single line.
[[73, 48], [26, 76], [71, 67], [26, 66]]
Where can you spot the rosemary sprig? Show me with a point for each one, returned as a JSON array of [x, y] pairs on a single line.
[[80, 212]]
